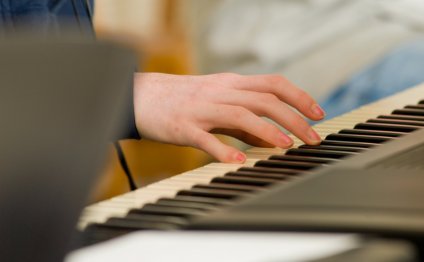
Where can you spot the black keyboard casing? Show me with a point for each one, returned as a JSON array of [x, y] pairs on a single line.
[[378, 191]]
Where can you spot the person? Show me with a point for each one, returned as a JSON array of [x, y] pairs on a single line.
[[346, 53], [187, 109]]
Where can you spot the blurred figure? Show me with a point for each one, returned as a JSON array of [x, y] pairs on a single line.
[[318, 44], [399, 69]]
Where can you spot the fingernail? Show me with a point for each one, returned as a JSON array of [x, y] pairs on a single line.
[[317, 110], [285, 140], [239, 157], [313, 136]]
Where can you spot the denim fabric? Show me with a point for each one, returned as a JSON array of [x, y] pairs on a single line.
[[44, 16], [398, 70]]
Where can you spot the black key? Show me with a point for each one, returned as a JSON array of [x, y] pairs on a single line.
[[136, 224], [173, 203], [302, 158], [420, 107], [242, 188], [260, 182], [358, 138], [152, 209], [287, 164], [410, 112], [116, 227], [212, 193], [275, 177], [402, 117], [421, 102], [320, 153], [178, 221], [95, 233], [272, 170], [396, 122], [386, 127], [333, 148], [348, 144], [370, 132], [196, 199]]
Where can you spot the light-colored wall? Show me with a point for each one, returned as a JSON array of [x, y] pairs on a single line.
[[138, 17]]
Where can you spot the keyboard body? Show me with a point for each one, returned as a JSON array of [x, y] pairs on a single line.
[[380, 191], [297, 189]]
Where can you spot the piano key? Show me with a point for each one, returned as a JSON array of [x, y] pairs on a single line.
[[115, 227], [396, 122], [172, 203], [96, 232], [272, 170], [177, 221], [169, 214], [152, 209], [176, 203], [276, 177], [195, 199], [402, 117], [320, 153], [421, 102], [212, 193], [97, 209], [410, 112], [319, 160], [420, 107], [287, 164], [242, 188], [123, 223], [358, 138], [334, 148], [370, 132], [386, 127], [244, 181], [348, 144]]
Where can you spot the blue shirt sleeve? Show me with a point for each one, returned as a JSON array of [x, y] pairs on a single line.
[[46, 16]]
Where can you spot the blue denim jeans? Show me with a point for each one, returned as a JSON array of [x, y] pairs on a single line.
[[396, 71]]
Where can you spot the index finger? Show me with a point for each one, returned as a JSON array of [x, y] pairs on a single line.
[[284, 90]]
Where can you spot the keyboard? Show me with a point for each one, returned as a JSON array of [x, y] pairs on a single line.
[[218, 188]]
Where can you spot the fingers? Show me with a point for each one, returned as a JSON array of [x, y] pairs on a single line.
[[213, 146], [243, 136], [284, 90], [240, 118], [270, 106]]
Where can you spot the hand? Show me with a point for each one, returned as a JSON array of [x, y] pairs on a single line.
[[184, 110]]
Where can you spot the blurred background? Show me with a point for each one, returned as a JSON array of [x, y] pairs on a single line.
[[318, 44]]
